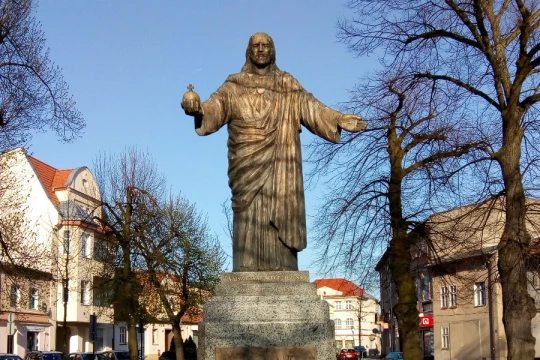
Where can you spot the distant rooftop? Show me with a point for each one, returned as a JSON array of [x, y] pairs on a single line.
[[346, 287]]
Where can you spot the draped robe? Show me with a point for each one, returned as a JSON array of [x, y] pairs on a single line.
[[263, 115]]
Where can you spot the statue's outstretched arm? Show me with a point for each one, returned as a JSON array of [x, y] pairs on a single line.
[[210, 115], [325, 121]]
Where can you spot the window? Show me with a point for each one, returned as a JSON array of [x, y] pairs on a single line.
[[453, 295], [337, 323], [101, 251], [15, 296], [66, 241], [535, 280], [65, 290], [154, 336], [85, 245], [337, 305], [449, 296], [445, 337], [122, 338], [423, 287], [479, 293], [348, 305], [350, 323], [103, 291], [444, 297], [85, 292], [33, 299]]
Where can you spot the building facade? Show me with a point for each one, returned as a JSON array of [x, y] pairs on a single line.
[[354, 312], [458, 255], [25, 295]]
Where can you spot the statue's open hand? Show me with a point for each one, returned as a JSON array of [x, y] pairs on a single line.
[[352, 123]]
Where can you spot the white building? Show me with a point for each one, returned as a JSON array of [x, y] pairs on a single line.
[[57, 206], [64, 276], [354, 313]]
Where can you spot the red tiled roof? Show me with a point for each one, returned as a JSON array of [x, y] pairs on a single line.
[[192, 318], [60, 178], [50, 177], [347, 288]]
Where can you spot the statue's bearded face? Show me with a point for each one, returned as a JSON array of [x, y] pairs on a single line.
[[261, 50]]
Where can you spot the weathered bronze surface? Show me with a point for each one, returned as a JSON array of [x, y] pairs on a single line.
[[268, 353], [264, 109]]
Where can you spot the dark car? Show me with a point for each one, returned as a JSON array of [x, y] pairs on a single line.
[[361, 351], [86, 356], [116, 354], [10, 357], [44, 355], [347, 354]]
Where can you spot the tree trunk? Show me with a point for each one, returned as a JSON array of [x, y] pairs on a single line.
[[129, 296], [405, 309], [518, 306], [400, 257], [65, 348], [178, 341], [133, 338]]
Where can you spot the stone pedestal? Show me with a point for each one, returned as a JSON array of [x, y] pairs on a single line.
[[266, 316]]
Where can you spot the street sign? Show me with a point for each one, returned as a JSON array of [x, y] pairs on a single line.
[[92, 328]]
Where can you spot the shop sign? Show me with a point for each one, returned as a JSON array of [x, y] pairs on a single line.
[[426, 321], [34, 328]]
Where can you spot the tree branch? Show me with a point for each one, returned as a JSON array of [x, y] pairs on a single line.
[[461, 84], [443, 33]]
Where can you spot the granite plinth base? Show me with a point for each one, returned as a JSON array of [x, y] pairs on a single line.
[[266, 315]]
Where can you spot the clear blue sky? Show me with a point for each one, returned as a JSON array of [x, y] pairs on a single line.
[[128, 62]]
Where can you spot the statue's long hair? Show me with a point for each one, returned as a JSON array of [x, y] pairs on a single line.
[[249, 66]]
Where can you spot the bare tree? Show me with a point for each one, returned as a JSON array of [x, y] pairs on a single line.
[[488, 50], [387, 181], [183, 263], [130, 185], [33, 93]]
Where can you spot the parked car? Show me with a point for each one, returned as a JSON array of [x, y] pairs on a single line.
[[347, 354], [44, 355], [396, 355], [10, 357], [86, 356], [361, 351], [115, 354]]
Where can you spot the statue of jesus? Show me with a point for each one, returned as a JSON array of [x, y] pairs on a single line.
[[263, 108]]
